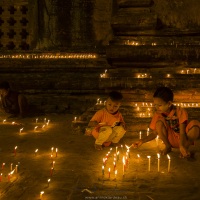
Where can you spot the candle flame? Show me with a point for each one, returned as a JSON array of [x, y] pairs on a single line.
[[42, 192], [158, 155], [12, 172], [49, 180], [149, 157], [109, 169], [168, 156], [138, 155], [116, 172], [102, 167], [36, 150], [16, 147]]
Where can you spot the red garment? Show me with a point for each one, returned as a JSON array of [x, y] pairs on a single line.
[[172, 121]]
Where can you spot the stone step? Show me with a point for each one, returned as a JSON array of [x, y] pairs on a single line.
[[135, 3], [158, 39], [129, 22], [120, 54]]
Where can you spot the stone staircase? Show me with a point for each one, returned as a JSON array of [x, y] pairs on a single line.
[[142, 56]]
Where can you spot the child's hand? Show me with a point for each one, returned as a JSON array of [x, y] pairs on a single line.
[[137, 144], [185, 153]]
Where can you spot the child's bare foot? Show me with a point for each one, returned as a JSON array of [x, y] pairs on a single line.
[[166, 150]]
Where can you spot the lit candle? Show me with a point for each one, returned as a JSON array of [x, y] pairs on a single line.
[[48, 181], [16, 168], [149, 166], [123, 161], [158, 161], [3, 164], [11, 166], [9, 177], [140, 135], [15, 150], [1, 177], [75, 119], [114, 163], [169, 161], [56, 151], [20, 130], [103, 170], [53, 164], [51, 172], [13, 123], [116, 150], [138, 155], [128, 152], [45, 120], [109, 173], [147, 131], [4, 121], [48, 122], [36, 120], [35, 128], [117, 155], [41, 194], [43, 126], [115, 173], [36, 152]]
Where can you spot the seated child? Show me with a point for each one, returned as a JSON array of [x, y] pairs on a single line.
[[107, 124], [171, 124], [12, 103]]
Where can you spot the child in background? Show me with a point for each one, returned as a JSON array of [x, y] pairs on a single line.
[[107, 124], [170, 123], [13, 104]]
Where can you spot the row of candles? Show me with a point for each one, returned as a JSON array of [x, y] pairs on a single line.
[[147, 75], [50, 56], [137, 43], [53, 154], [125, 162], [46, 123]]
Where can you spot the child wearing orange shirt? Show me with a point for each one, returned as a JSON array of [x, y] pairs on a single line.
[[170, 123], [108, 124]]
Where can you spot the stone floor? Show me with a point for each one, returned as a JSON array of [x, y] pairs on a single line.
[[77, 170]]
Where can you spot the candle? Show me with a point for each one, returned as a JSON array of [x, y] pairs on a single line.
[[20, 130], [149, 167], [103, 170], [169, 161], [36, 152], [16, 168], [35, 128], [147, 131], [56, 151], [15, 150], [158, 161], [53, 164], [140, 135], [48, 122], [122, 149], [51, 172], [117, 155], [128, 152], [75, 119], [13, 123], [36, 120], [41, 194], [114, 163], [43, 126], [1, 177], [4, 121], [9, 177], [110, 149], [48, 181], [45, 119], [11, 166], [116, 150], [51, 156], [123, 161], [109, 173], [115, 174]]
